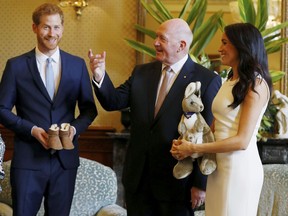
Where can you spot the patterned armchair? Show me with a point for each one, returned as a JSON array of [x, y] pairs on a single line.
[[95, 191]]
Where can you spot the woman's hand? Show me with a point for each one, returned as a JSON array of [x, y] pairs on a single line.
[[181, 149]]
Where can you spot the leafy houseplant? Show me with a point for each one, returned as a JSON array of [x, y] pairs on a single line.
[[193, 12]]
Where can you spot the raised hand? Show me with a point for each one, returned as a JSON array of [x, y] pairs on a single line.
[[97, 64]]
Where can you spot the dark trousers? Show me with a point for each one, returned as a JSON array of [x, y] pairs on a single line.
[[144, 203], [53, 183]]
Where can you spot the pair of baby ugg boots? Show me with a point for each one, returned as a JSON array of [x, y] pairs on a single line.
[[58, 138]]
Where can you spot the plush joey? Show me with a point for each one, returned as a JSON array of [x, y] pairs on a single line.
[[193, 128]]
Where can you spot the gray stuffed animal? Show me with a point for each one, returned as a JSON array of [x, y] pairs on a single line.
[[193, 128]]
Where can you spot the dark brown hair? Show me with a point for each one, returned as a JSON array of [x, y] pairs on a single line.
[[252, 59], [46, 9]]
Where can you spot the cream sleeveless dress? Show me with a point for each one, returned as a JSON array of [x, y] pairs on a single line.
[[234, 188]]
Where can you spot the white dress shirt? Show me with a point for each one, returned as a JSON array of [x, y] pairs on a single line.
[[176, 68], [41, 60]]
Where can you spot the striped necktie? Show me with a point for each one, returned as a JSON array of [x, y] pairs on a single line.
[[164, 88]]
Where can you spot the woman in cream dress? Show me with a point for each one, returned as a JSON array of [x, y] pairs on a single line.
[[234, 188]]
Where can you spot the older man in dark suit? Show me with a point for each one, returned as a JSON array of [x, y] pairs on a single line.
[[38, 171], [150, 188]]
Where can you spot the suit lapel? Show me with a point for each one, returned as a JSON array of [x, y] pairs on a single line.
[[153, 87], [32, 65], [63, 74]]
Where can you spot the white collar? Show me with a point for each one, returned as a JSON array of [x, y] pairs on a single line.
[[176, 67], [42, 57]]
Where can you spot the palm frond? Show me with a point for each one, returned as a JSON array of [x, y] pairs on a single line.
[[205, 33], [200, 16], [162, 10], [262, 15], [276, 75], [152, 12], [272, 37], [197, 8], [274, 29], [275, 45], [247, 11], [141, 47], [148, 32], [184, 9]]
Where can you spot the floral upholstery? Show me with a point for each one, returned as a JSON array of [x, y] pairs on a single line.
[[274, 196], [5, 194], [95, 191]]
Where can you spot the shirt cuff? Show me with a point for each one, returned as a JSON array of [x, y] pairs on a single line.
[[100, 83], [74, 130], [32, 129]]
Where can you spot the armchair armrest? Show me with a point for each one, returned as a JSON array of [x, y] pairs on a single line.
[[5, 210], [112, 210]]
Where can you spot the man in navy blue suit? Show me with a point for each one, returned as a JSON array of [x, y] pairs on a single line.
[[150, 188], [37, 171]]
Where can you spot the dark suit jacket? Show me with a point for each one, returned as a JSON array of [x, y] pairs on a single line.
[[151, 139], [21, 86]]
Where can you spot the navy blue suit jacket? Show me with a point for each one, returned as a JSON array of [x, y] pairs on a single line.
[[21, 86], [151, 138]]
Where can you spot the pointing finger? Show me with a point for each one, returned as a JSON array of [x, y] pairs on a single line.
[[90, 53]]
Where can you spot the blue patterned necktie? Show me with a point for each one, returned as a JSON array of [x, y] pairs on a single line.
[[50, 86]]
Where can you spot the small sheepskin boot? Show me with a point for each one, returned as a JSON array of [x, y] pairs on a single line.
[[64, 136], [53, 138]]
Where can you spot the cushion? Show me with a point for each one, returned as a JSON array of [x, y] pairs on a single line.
[[113, 209], [96, 186], [5, 210], [274, 195]]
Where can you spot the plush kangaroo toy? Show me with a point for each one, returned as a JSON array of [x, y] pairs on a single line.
[[193, 127]]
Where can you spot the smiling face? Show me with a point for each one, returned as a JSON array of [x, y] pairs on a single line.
[[173, 40], [166, 46], [49, 33], [228, 52]]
